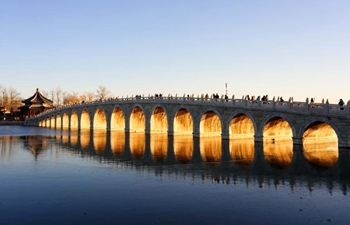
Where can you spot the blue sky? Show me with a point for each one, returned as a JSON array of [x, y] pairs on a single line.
[[280, 48]]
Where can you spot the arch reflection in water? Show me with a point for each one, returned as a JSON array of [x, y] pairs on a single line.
[[211, 149], [279, 154], [74, 138], [64, 138], [321, 155], [99, 140], [242, 151], [137, 144], [85, 138], [159, 146], [117, 142], [183, 148]]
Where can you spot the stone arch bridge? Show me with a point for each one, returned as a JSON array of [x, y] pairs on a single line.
[[231, 118]]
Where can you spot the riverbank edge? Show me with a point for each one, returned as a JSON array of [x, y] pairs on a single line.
[[16, 123]]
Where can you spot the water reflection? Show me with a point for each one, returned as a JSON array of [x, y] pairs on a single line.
[[137, 144], [159, 146], [321, 154], [242, 151], [117, 142], [85, 139], [278, 153], [99, 140], [210, 149], [236, 160], [74, 138], [183, 148], [36, 144]]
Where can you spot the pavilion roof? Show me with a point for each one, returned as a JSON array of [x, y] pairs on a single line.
[[37, 98]]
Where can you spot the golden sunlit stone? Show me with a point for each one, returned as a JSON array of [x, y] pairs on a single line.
[[320, 145], [137, 144], [319, 130], [65, 121], [183, 148], [58, 121], [117, 142], [183, 123], [278, 153], [159, 121], [99, 139], [137, 120], [241, 126], [278, 128], [74, 121], [118, 120], [100, 121], [52, 122], [211, 149], [242, 151], [159, 146], [210, 124], [85, 120]]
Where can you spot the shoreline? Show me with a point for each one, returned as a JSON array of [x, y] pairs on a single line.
[[17, 123]]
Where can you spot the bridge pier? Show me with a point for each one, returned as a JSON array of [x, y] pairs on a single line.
[[297, 141], [225, 137], [258, 138]]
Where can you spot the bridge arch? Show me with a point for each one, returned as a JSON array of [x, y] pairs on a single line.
[[277, 125], [46, 122], [137, 119], [99, 121], [85, 119], [320, 138], [74, 121], [183, 121], [320, 127], [58, 121], [53, 122], [65, 121], [210, 123], [241, 124], [117, 119], [159, 120]]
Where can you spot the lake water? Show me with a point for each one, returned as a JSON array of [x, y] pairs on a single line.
[[69, 177]]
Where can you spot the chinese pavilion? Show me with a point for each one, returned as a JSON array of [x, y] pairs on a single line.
[[35, 105]]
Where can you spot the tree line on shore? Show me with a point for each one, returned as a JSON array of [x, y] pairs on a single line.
[[11, 99]]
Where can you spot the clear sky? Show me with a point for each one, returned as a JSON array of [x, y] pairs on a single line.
[[280, 48]]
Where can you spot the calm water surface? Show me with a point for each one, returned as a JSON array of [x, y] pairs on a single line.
[[62, 177]]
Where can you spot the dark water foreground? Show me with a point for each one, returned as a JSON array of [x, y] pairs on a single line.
[[59, 177]]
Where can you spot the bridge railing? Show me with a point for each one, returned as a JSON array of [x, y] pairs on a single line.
[[303, 107]]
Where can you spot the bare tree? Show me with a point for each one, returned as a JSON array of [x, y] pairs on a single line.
[[52, 93], [87, 96], [71, 98], [45, 93], [14, 100], [102, 93], [58, 93], [2, 92]]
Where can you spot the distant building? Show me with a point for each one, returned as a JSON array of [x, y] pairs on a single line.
[[35, 105]]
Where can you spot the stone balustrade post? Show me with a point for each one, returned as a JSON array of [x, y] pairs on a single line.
[[327, 106]]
